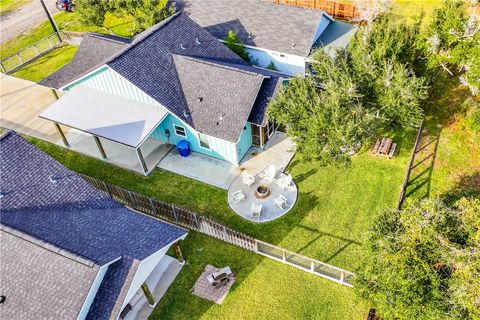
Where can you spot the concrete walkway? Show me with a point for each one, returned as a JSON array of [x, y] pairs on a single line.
[[21, 20]]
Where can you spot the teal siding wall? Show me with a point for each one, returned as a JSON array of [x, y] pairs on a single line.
[[109, 81], [245, 141], [221, 149]]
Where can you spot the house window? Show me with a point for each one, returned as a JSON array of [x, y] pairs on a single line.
[[180, 131], [203, 139]]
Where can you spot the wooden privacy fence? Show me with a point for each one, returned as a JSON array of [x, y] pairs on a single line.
[[335, 9], [193, 221], [409, 168]]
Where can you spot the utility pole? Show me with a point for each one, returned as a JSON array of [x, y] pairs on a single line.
[[52, 22]]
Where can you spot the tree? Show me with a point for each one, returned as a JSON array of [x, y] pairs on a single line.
[[369, 10], [452, 42], [234, 43], [272, 66], [423, 262], [144, 13], [324, 115]]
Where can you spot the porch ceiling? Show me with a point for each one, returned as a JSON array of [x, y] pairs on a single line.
[[105, 115]]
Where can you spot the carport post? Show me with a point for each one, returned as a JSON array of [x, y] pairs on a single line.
[[148, 294], [142, 160], [64, 139], [100, 147]]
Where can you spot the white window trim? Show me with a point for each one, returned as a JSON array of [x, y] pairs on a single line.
[[200, 142], [175, 126]]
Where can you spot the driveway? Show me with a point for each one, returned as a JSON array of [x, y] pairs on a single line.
[[23, 19]]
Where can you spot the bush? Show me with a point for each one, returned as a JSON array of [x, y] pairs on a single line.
[[234, 43]]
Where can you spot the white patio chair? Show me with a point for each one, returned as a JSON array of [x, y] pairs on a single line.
[[285, 181], [238, 196], [247, 178], [256, 210], [268, 174], [281, 202]]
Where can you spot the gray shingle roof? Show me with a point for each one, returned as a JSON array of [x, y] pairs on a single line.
[[70, 215], [39, 283], [227, 96], [93, 51], [337, 36], [276, 27], [269, 89]]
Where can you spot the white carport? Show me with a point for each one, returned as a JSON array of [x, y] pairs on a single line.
[[106, 116]]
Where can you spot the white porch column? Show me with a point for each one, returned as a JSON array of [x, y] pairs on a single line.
[[143, 164]]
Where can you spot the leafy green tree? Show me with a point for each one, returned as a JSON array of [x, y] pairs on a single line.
[[324, 115], [145, 13], [92, 12], [234, 43], [423, 262], [452, 42]]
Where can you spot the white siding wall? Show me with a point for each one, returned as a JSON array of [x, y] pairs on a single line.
[[286, 63]]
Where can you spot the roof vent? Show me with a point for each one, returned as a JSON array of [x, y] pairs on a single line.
[[197, 41], [2, 298], [294, 45], [185, 114], [200, 99], [52, 179], [221, 116], [250, 35], [1, 195], [182, 46]]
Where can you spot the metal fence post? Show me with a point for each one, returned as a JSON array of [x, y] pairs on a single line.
[[174, 213], [107, 190]]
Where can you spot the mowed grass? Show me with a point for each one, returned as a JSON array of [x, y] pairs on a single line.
[[264, 289], [329, 221], [7, 6], [47, 64], [65, 21]]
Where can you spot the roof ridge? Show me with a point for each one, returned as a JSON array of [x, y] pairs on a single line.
[[143, 36], [48, 246], [218, 65], [108, 37]]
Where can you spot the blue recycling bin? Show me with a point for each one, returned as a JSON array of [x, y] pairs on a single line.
[[183, 148]]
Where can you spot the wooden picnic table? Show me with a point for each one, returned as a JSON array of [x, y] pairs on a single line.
[[384, 147]]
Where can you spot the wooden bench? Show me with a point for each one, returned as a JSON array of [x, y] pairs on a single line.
[[384, 147]]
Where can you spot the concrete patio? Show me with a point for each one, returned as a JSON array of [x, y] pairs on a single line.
[[270, 211], [279, 151], [159, 281]]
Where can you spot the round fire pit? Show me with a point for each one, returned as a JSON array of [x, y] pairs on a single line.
[[262, 192]]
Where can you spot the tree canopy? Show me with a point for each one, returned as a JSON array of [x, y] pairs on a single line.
[[452, 42], [234, 43], [424, 261], [351, 93], [145, 13]]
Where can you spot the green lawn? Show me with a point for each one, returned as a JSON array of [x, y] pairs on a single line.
[[329, 221], [65, 21], [9, 5], [451, 153], [264, 288], [47, 64]]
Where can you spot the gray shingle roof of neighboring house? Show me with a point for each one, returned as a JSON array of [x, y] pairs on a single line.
[[93, 51], [46, 201], [336, 36], [258, 23], [39, 283]]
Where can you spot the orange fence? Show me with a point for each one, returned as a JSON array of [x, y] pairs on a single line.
[[333, 8]]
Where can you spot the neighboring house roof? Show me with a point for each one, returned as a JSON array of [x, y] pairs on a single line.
[[92, 53], [258, 23], [40, 283], [46, 201], [337, 35]]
